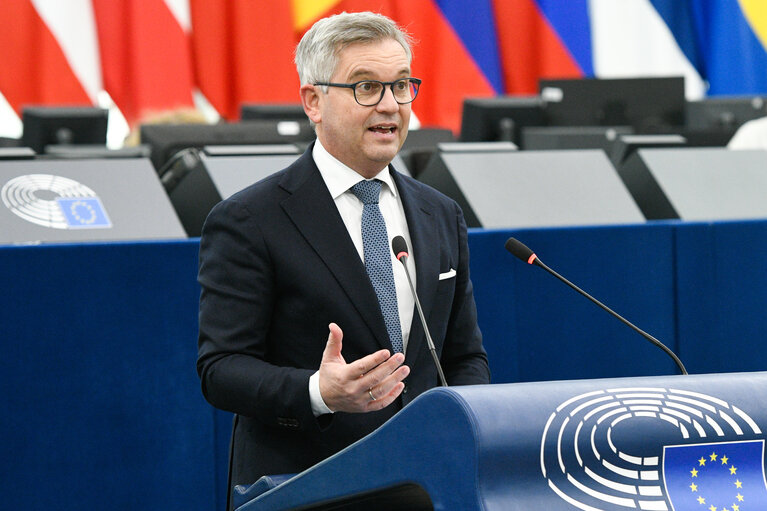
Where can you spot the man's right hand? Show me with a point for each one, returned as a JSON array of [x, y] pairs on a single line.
[[371, 383]]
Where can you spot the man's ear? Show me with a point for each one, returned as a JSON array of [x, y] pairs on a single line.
[[310, 99]]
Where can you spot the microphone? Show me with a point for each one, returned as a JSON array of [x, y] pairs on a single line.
[[399, 247], [521, 251]]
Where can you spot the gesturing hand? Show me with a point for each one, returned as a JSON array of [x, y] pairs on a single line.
[[370, 383]]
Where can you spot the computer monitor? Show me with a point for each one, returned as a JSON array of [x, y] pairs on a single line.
[[545, 138], [649, 105], [501, 118], [165, 140], [420, 145], [725, 112], [272, 111], [45, 125]]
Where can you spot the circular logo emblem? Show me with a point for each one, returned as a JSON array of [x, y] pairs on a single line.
[[589, 451], [53, 201]]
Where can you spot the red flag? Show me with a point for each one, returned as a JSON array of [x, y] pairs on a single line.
[[243, 53], [145, 57], [34, 67], [441, 60], [530, 48]]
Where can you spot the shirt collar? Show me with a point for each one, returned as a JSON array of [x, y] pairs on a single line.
[[339, 177]]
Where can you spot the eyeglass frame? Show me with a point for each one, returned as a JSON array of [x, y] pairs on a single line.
[[353, 87]]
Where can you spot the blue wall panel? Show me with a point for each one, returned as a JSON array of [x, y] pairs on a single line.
[[536, 328], [100, 398], [101, 402], [722, 295]]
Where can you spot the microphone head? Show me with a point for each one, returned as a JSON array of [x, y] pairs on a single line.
[[399, 247], [520, 250]]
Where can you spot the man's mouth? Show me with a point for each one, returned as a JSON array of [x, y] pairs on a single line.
[[383, 128]]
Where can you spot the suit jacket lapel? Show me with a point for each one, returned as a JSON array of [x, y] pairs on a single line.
[[315, 215], [421, 224]]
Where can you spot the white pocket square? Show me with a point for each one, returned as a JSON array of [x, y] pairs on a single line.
[[447, 275]]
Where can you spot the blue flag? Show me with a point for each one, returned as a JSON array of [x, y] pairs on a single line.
[[84, 213], [726, 476]]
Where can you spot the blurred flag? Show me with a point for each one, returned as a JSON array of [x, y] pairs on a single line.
[[48, 53], [145, 55], [243, 53], [725, 475], [153, 55]]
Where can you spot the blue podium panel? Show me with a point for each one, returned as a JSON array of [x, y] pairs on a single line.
[[100, 404], [722, 295], [536, 328], [657, 443]]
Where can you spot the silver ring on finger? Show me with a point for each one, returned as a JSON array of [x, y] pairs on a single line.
[[370, 393]]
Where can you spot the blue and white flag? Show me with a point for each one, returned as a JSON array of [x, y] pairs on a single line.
[[84, 213], [715, 476]]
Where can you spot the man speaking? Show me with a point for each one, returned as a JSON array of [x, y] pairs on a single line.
[[307, 329]]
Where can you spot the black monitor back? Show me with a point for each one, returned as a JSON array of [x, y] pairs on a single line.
[[500, 119], [649, 105], [725, 113], [544, 138], [272, 111], [45, 125], [10, 142], [420, 145], [165, 140]]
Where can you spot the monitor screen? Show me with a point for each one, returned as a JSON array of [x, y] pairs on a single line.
[[44, 126], [649, 105], [272, 111], [500, 119], [165, 140]]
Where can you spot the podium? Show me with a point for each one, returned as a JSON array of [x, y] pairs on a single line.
[[649, 443]]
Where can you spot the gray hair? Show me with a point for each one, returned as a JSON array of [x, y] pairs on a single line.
[[317, 53]]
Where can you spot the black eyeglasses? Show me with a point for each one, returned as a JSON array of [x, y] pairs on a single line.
[[371, 92]]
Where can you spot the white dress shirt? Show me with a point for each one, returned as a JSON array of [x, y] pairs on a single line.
[[339, 179]]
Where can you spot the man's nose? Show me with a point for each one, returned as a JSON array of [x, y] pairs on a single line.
[[388, 103]]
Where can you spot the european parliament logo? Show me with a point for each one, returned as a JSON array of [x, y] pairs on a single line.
[[54, 201], [654, 449]]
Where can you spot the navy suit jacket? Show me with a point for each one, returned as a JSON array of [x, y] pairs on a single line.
[[277, 265]]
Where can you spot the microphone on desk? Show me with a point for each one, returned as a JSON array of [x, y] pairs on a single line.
[[399, 247], [521, 251]]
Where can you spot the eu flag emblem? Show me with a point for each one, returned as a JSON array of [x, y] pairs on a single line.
[[84, 213], [725, 476]]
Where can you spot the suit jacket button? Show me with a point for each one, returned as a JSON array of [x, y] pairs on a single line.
[[404, 391]]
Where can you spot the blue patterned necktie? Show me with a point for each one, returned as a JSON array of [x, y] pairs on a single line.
[[375, 243]]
